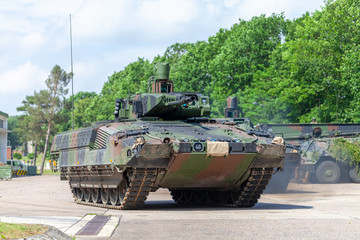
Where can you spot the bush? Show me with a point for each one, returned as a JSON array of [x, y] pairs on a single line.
[[17, 156], [30, 156]]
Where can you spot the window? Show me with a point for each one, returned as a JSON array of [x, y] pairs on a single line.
[[165, 88], [1, 123]]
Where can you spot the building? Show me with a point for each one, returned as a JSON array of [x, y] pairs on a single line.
[[3, 136]]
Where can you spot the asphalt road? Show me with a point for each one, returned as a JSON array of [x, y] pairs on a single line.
[[305, 211]]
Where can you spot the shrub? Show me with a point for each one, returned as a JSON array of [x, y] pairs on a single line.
[[30, 156], [17, 156]]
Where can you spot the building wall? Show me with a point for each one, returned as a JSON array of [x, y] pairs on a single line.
[[8, 155], [3, 136]]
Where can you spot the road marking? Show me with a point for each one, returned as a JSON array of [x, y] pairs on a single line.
[[79, 225], [106, 230], [94, 226], [109, 227]]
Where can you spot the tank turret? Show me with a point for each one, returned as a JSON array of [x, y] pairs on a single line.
[[161, 102]]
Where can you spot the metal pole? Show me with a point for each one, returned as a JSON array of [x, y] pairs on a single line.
[[72, 78]]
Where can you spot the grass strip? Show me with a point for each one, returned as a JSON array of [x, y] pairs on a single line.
[[11, 230]]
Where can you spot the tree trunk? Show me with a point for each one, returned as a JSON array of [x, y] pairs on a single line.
[[46, 146], [35, 155]]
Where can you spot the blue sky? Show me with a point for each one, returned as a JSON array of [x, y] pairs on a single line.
[[108, 35]]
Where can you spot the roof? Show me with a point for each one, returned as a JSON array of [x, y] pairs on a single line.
[[4, 114]]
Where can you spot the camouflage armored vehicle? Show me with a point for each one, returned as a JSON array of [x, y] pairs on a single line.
[[328, 151], [164, 139]]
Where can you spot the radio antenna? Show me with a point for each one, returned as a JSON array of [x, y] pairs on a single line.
[[72, 79]]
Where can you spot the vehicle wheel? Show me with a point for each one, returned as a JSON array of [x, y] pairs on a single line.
[[354, 174], [234, 196], [223, 196], [95, 195], [200, 196], [212, 197], [189, 196], [79, 194], [114, 196], [105, 195], [87, 195], [178, 196], [328, 172]]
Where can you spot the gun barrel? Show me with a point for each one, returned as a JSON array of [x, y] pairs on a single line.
[[182, 101]]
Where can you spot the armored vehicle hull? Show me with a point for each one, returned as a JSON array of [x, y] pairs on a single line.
[[116, 165]]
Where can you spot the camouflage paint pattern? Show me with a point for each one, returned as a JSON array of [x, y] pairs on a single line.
[[113, 144], [344, 150]]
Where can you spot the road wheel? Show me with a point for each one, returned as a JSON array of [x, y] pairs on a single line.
[[200, 196], [178, 196], [212, 197], [79, 194], [328, 172], [95, 195], [189, 196], [223, 196], [234, 196], [114, 196], [87, 195], [105, 195], [354, 174]]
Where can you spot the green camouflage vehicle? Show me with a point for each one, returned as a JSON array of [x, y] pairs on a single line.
[[164, 139], [331, 159], [328, 151]]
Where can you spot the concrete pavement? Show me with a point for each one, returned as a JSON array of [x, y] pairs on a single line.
[[310, 211]]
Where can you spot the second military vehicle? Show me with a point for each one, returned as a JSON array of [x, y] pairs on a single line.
[[165, 139], [326, 149]]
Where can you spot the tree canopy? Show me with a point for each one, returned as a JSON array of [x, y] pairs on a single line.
[[281, 70]]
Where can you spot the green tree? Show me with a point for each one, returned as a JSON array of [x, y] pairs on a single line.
[[245, 53], [133, 79], [82, 102], [31, 125], [56, 83], [13, 137], [315, 78]]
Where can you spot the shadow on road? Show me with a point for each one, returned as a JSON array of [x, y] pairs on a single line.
[[169, 205], [276, 206], [291, 191]]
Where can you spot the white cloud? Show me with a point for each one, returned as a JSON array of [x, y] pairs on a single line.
[[101, 18], [246, 9], [33, 40], [108, 35], [19, 82], [24, 78], [231, 3], [165, 12]]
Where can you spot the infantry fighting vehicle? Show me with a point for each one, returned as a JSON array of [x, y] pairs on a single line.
[[164, 139], [328, 150]]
